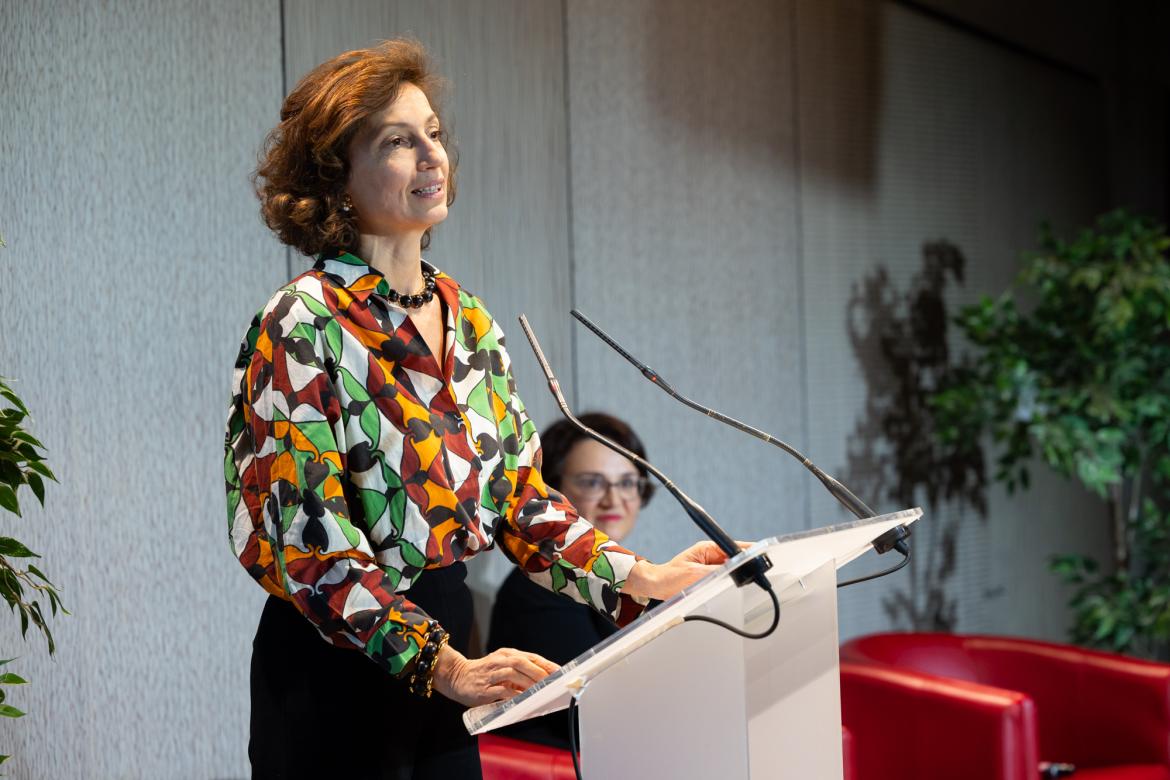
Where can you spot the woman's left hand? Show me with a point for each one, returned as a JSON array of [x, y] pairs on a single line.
[[661, 581]]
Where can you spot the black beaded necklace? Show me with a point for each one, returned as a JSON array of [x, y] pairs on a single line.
[[419, 299]]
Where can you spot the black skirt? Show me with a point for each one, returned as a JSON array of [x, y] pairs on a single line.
[[323, 711]]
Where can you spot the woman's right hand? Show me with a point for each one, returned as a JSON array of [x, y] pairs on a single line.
[[496, 676]]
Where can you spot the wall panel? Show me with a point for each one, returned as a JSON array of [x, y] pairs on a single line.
[[135, 259], [684, 206], [912, 132]]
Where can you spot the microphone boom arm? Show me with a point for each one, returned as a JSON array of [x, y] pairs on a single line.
[[839, 491]]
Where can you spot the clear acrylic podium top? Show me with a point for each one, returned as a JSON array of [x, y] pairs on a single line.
[[793, 556]]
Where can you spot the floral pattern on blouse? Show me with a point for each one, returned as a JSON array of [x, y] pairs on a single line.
[[355, 460]]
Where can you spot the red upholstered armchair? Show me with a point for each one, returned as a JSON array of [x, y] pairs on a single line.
[[504, 758], [992, 708]]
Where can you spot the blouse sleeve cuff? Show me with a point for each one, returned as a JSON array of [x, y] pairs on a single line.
[[621, 561]]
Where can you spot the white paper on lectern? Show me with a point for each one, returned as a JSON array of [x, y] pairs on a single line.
[[793, 556]]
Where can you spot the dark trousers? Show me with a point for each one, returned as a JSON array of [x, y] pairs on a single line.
[[320, 711]]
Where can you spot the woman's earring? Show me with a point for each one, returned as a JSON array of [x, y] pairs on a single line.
[[346, 205]]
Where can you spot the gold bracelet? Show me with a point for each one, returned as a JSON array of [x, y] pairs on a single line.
[[422, 678]]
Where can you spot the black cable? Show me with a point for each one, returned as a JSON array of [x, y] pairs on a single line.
[[905, 560], [573, 736], [740, 631]]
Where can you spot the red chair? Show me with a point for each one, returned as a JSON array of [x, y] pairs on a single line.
[[944, 705], [504, 758], [847, 753]]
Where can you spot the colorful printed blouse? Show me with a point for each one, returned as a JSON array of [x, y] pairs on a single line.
[[354, 460]]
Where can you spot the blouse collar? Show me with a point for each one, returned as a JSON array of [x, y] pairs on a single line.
[[358, 277]]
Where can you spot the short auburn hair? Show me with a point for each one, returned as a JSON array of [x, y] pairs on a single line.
[[304, 165]]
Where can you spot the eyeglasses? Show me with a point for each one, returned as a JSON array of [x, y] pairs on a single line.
[[594, 486]]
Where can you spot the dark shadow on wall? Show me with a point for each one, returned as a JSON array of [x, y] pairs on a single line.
[[783, 86], [900, 341]]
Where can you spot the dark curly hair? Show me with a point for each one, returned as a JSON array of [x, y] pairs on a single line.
[[560, 437], [304, 167]]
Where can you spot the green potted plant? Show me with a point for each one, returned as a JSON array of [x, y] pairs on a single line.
[[23, 586], [1073, 365]]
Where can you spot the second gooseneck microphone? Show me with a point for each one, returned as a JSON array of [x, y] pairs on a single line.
[[839, 491]]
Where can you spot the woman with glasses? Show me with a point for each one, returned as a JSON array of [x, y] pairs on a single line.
[[609, 491]]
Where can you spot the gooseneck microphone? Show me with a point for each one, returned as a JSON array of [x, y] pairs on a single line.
[[751, 571], [892, 539], [839, 491]]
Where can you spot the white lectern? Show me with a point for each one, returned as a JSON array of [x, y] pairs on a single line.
[[667, 699]]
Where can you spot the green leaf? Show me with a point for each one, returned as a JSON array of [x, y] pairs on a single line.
[[8, 500], [11, 475], [41, 468], [38, 486], [8, 711], [14, 400], [28, 438], [12, 679], [15, 549]]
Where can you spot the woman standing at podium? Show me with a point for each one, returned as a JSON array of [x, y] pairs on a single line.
[[375, 440], [609, 490]]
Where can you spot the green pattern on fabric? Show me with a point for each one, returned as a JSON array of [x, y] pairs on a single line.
[[507, 430], [305, 358], [398, 512], [557, 572], [333, 340], [601, 568], [379, 645], [352, 387], [318, 308], [487, 501], [375, 503], [480, 402], [369, 422], [412, 556], [319, 434], [304, 331]]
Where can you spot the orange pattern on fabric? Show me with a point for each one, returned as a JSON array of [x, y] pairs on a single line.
[[361, 388]]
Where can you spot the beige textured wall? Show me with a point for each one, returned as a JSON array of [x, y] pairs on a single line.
[[913, 131], [710, 186], [736, 177], [685, 204], [135, 259]]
